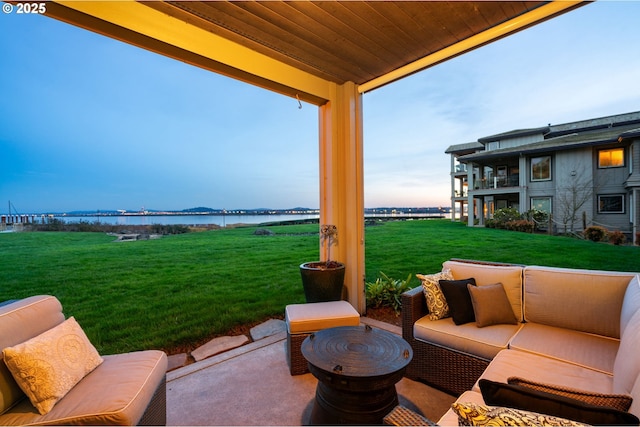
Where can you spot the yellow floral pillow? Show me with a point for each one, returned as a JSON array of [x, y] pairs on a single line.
[[436, 302], [46, 367], [473, 414]]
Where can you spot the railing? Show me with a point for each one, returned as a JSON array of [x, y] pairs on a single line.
[[496, 182]]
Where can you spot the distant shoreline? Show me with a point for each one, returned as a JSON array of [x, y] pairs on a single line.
[[403, 210], [222, 218]]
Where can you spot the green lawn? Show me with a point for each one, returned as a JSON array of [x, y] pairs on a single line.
[[181, 289]]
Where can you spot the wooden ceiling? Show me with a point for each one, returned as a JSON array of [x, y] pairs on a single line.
[[297, 47], [346, 40]]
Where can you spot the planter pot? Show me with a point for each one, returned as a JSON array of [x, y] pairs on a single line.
[[322, 283]]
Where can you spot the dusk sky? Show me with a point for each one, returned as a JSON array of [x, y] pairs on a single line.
[[87, 122]]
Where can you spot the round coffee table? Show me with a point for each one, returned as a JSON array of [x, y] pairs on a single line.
[[357, 368]]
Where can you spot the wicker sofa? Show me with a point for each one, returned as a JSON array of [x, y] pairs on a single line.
[[575, 329], [124, 389]]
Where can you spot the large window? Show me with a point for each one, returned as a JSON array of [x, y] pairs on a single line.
[[541, 204], [541, 168], [611, 203], [613, 158]]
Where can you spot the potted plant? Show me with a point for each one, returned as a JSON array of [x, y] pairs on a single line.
[[323, 280]]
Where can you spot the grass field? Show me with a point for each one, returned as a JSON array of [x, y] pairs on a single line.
[[182, 289]]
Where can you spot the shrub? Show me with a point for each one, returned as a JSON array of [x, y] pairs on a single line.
[[537, 215], [617, 237], [521, 225], [386, 291], [502, 216], [595, 233], [539, 218]]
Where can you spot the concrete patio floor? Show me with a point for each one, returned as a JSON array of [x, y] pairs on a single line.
[[251, 385]]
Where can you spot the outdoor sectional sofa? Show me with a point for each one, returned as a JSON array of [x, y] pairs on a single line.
[[123, 389], [575, 330]]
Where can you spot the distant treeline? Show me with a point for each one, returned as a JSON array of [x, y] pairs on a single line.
[[86, 226]]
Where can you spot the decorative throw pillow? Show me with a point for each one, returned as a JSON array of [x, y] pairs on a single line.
[[46, 367], [459, 300], [491, 305], [436, 302], [473, 414], [518, 397], [621, 402]]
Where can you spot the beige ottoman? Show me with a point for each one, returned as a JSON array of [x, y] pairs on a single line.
[[304, 319]]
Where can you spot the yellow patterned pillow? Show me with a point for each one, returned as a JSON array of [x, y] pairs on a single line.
[[46, 367], [436, 302], [473, 414]]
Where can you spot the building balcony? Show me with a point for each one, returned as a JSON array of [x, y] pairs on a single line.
[[497, 182]]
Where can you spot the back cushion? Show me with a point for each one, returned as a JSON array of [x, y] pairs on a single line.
[[631, 303], [635, 394], [509, 276], [582, 300], [19, 322], [626, 367]]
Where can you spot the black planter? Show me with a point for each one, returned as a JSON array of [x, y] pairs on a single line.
[[322, 283]]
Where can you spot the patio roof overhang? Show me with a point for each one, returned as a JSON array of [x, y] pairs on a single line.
[[326, 53]]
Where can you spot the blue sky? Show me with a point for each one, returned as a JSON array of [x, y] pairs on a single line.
[[87, 122]]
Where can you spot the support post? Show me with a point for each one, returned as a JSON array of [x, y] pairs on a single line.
[[342, 183]]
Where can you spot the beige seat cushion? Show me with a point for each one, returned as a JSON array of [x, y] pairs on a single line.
[[116, 393], [591, 351], [541, 369], [313, 317], [468, 338]]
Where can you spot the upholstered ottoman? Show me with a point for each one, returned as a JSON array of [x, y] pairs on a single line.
[[304, 319]]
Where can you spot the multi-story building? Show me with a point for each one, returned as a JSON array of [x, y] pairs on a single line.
[[582, 173]]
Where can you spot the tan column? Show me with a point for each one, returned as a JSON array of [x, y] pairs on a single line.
[[342, 184]]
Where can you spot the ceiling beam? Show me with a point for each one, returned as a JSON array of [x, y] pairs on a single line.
[[521, 22], [135, 23]]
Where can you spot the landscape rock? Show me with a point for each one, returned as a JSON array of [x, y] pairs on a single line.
[[268, 328], [263, 232], [218, 345], [176, 361], [131, 237]]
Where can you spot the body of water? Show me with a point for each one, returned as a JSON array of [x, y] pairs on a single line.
[[221, 220], [199, 219]]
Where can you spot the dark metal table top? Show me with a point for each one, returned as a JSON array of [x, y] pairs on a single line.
[[357, 351]]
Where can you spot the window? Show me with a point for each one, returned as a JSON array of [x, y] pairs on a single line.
[[501, 175], [613, 158], [611, 203], [541, 204], [541, 168]]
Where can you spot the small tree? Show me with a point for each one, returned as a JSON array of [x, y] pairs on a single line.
[[571, 198], [328, 237]]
